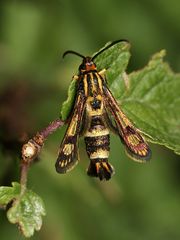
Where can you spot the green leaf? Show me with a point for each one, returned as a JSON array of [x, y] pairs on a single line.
[[115, 60], [149, 97], [27, 209], [153, 101], [67, 105], [7, 194]]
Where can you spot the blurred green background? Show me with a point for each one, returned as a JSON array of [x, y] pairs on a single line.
[[141, 201]]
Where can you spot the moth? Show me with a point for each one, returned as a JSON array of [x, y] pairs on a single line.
[[95, 113]]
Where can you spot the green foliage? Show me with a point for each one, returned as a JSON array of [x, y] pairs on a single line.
[[149, 97], [114, 60], [141, 201], [67, 105], [153, 102], [26, 209], [7, 194]]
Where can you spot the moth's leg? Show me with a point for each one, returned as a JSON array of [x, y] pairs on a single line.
[[75, 77], [102, 73]]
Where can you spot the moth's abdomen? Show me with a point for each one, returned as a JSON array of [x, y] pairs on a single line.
[[97, 146], [97, 139]]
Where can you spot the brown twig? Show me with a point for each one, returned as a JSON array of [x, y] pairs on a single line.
[[32, 148]]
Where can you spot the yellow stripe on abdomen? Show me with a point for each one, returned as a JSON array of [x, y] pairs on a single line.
[[96, 132], [99, 153]]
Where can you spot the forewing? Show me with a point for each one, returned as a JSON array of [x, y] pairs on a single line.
[[136, 146], [68, 152]]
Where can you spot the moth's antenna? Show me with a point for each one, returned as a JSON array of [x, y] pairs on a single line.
[[108, 46], [73, 52]]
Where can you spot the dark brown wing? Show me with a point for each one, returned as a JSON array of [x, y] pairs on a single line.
[[68, 152], [136, 146]]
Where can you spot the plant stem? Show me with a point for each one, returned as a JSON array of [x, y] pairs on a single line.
[[32, 148], [53, 126], [23, 177]]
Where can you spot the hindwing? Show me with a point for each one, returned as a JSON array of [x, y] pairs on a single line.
[[68, 151], [136, 146]]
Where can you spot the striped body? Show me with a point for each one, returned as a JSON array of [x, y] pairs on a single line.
[[95, 112], [96, 131]]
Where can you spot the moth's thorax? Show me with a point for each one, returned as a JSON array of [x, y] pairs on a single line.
[[93, 91], [93, 83], [94, 106]]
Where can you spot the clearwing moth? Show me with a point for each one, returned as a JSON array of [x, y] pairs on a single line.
[[95, 113]]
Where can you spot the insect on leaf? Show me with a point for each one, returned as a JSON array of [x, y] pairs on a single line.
[[114, 59], [151, 100]]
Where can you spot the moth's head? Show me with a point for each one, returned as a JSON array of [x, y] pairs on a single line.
[[87, 65], [88, 62]]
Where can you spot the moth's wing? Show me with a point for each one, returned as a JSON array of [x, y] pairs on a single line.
[[68, 151], [136, 147]]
